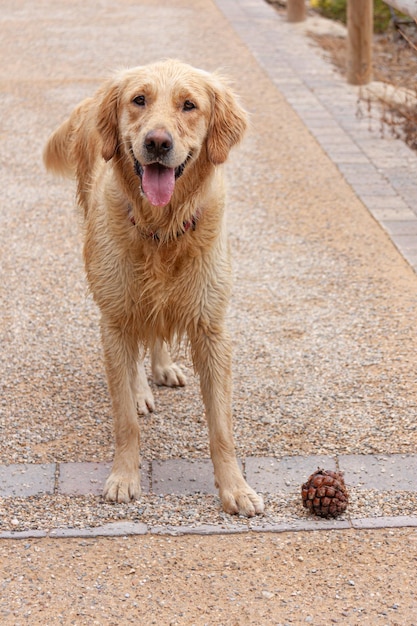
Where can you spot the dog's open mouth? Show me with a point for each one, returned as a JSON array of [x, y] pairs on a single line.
[[158, 181]]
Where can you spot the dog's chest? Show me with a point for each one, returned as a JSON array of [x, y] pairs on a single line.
[[167, 287]]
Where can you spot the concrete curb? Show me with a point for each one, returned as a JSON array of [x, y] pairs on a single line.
[[124, 529]]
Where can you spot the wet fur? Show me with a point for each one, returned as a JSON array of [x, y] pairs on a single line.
[[151, 290]]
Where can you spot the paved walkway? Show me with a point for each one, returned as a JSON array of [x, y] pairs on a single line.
[[380, 169]]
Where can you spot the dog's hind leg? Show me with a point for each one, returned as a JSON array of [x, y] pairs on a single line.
[[164, 370], [144, 396]]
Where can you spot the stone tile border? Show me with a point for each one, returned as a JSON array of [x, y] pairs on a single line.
[[384, 473], [392, 472], [381, 170]]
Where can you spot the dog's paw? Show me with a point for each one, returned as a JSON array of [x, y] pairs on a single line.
[[242, 500], [169, 375], [122, 487], [145, 402]]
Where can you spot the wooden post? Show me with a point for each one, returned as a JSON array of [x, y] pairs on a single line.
[[360, 33], [296, 10]]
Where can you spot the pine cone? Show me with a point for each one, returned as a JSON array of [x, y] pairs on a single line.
[[325, 493]]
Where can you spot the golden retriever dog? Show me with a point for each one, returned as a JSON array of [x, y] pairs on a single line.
[[146, 151]]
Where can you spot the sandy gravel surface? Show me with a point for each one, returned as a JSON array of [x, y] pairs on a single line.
[[323, 321], [270, 579]]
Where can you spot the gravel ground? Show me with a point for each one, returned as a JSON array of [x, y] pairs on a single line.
[[270, 579], [323, 313], [175, 512]]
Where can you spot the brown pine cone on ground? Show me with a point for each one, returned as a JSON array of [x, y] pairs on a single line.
[[325, 493]]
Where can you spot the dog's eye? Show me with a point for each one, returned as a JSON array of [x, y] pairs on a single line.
[[188, 106], [139, 101]]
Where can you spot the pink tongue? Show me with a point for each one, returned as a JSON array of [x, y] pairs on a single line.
[[158, 183]]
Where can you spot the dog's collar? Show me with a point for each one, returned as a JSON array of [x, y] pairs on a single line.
[[190, 224]]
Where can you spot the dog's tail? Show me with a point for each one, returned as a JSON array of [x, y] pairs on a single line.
[[57, 153], [64, 149]]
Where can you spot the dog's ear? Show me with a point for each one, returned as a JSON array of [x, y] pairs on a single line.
[[107, 118], [228, 122]]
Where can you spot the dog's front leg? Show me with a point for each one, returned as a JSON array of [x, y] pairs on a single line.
[[212, 360], [121, 354]]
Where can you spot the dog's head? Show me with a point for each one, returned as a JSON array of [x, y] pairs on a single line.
[[164, 117]]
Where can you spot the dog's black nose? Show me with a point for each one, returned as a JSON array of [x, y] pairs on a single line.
[[158, 142]]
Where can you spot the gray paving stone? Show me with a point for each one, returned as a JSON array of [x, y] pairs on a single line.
[[381, 202], [401, 521], [385, 473], [82, 478], [389, 214], [348, 156], [300, 525], [204, 529], [360, 170], [24, 480], [340, 153], [286, 475], [406, 242], [183, 476], [362, 186], [88, 478], [400, 227], [24, 534], [320, 127], [409, 195], [116, 529]]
